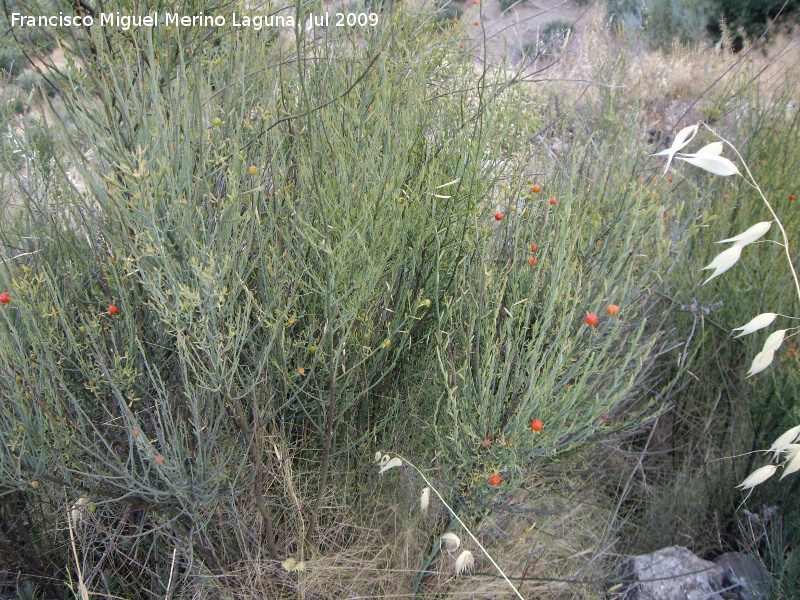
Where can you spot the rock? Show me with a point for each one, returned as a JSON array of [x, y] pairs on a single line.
[[743, 577], [673, 573]]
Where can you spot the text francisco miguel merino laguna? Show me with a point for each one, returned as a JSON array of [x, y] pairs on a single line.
[[115, 19]]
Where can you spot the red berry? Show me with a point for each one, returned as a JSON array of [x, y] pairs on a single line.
[[486, 443], [591, 319], [534, 247], [498, 216], [603, 417], [5, 297], [612, 309], [536, 189], [532, 260], [553, 201], [537, 425], [495, 480], [791, 196], [159, 459], [112, 310]]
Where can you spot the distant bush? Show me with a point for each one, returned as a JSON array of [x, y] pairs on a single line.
[[31, 81], [449, 12], [749, 15], [662, 21], [506, 4], [12, 62], [686, 21]]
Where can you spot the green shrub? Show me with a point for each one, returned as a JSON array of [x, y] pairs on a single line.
[[555, 31], [449, 13], [506, 4], [12, 62], [30, 81], [663, 21]]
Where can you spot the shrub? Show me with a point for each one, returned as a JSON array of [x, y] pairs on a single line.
[[662, 21], [12, 61], [506, 4], [449, 13]]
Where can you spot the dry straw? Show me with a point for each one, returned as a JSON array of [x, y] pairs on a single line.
[[465, 561]]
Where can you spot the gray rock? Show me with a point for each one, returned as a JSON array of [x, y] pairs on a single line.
[[674, 573], [744, 577]]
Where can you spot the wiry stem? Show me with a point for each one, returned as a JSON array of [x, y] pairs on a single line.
[[452, 512]]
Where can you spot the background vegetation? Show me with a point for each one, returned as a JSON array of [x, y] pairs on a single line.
[[240, 263]]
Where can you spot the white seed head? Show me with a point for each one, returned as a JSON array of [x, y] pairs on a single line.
[[425, 499], [757, 477], [378, 456], [757, 323], [464, 562], [792, 464], [712, 149], [718, 165], [750, 235], [774, 341], [723, 261], [785, 440], [450, 541], [684, 136], [761, 362], [76, 513], [791, 451], [391, 464]]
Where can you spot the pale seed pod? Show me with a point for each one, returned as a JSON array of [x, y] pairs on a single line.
[[757, 477], [464, 562]]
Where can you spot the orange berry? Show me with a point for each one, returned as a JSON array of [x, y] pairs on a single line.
[[136, 432], [669, 179], [612, 309], [537, 425], [477, 23], [486, 443], [536, 189], [159, 459], [591, 319], [112, 310], [5, 297], [534, 247], [461, 46], [553, 201], [533, 260], [498, 216], [495, 480], [301, 371], [791, 196]]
